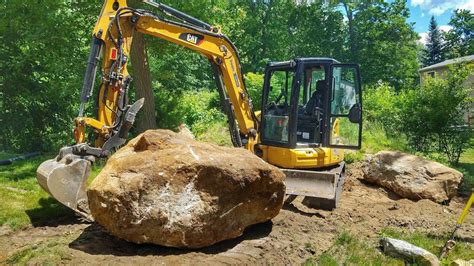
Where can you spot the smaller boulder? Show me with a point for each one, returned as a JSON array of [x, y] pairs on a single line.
[[410, 253], [411, 176], [460, 262]]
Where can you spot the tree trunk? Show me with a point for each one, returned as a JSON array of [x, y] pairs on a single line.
[[142, 80], [350, 19]]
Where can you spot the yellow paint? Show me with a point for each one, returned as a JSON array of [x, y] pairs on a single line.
[[301, 158], [466, 209]]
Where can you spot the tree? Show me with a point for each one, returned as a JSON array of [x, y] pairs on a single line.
[[143, 86], [460, 39], [43, 55], [316, 30], [385, 44], [260, 30], [142, 77], [434, 46], [432, 115]]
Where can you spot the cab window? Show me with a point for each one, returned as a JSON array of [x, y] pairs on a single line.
[[310, 105], [277, 107]]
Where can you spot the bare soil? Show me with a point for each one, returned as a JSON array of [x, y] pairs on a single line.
[[297, 233]]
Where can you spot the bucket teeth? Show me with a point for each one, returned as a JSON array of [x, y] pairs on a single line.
[[65, 180]]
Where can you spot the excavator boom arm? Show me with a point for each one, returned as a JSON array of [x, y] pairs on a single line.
[[113, 34]]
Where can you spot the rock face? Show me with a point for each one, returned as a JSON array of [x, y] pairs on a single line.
[[401, 249], [167, 189], [411, 176]]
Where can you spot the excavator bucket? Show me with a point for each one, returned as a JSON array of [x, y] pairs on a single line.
[[65, 179], [321, 189]]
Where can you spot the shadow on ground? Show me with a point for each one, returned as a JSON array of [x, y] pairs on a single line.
[[95, 240], [51, 213]]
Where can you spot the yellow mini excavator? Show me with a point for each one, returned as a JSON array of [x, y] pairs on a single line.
[[311, 107]]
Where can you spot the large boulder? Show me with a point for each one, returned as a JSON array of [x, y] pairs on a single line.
[[411, 176], [168, 189]]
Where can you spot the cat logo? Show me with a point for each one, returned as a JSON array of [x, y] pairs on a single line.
[[195, 39]]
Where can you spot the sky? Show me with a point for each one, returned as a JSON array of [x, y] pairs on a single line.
[[422, 10]]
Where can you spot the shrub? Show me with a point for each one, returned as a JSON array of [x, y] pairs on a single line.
[[432, 115], [196, 109], [381, 105], [254, 84]]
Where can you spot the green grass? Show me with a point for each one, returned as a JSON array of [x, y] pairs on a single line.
[[375, 139], [45, 253], [23, 200], [431, 243], [350, 250], [216, 133], [466, 166]]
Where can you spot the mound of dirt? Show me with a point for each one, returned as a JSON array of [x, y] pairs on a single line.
[[168, 189], [411, 176]]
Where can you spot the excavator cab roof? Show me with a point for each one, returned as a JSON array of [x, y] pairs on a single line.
[[293, 62]]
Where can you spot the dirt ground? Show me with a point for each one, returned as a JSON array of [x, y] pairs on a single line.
[[295, 234]]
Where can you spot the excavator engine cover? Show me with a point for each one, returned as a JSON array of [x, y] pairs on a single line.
[[321, 189]]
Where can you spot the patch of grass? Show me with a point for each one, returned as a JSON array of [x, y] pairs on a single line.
[[375, 139], [217, 133], [45, 253], [466, 166], [349, 250], [23, 200], [431, 243]]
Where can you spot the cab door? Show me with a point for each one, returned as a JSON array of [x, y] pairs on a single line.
[[343, 125]]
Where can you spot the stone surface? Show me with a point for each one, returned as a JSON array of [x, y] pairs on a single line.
[[460, 262], [411, 176], [410, 253], [167, 189]]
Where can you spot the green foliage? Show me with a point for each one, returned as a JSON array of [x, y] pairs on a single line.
[[217, 133], [435, 52], [198, 110], [381, 105], [460, 39], [40, 49], [432, 115], [317, 31], [383, 43], [44, 51], [254, 84], [466, 166]]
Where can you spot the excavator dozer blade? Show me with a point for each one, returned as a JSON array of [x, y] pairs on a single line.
[[321, 189], [66, 181]]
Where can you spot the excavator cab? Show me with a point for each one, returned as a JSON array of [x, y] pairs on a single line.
[[311, 112]]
